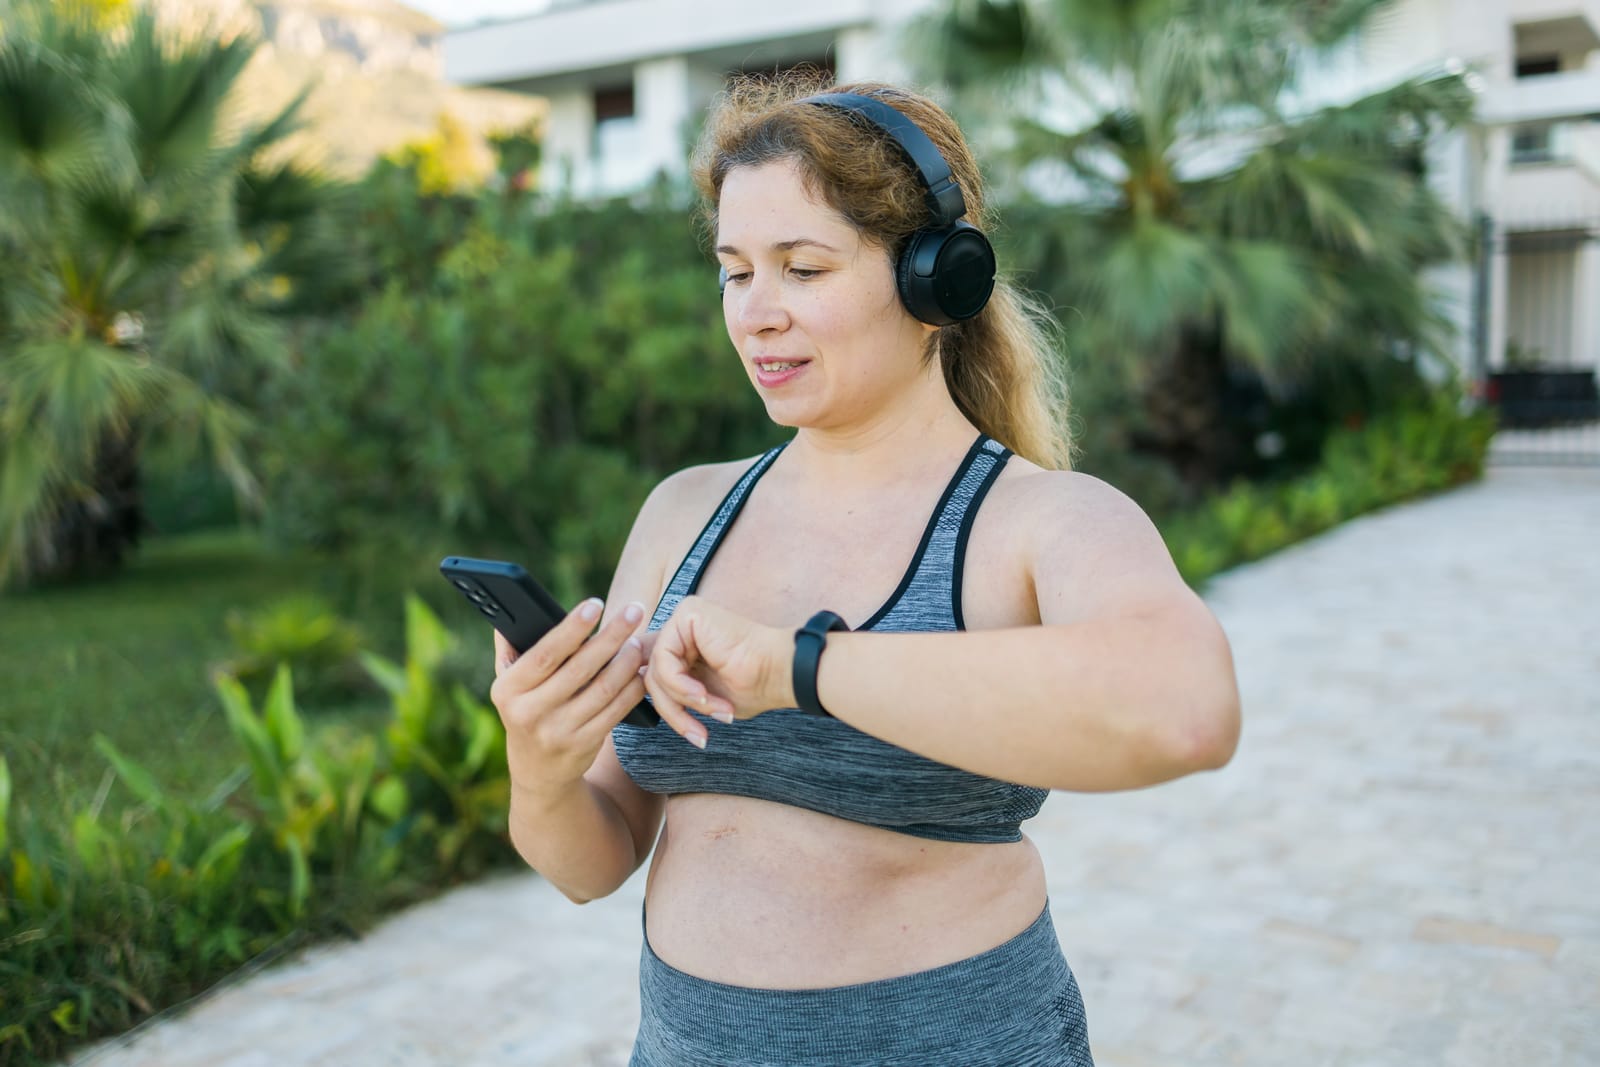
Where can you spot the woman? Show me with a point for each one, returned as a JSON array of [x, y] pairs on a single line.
[[848, 883]]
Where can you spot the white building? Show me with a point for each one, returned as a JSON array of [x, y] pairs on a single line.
[[626, 80]]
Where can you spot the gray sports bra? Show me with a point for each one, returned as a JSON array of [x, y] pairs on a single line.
[[825, 764]]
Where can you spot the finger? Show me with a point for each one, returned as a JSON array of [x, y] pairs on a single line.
[[536, 665], [623, 690], [598, 651], [672, 663], [504, 655], [612, 678], [673, 713]]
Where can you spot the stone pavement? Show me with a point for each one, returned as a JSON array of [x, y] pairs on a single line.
[[1400, 867]]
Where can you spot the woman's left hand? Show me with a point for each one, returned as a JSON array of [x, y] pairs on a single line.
[[711, 660]]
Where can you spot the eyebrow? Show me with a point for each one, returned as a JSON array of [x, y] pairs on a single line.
[[785, 246]]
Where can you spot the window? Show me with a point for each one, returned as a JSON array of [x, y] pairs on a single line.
[[1533, 66], [614, 103], [618, 147], [615, 127], [1539, 142]]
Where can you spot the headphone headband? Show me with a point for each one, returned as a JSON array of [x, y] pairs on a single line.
[[945, 202]]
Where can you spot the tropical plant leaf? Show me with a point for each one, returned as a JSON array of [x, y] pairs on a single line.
[[282, 722], [139, 781]]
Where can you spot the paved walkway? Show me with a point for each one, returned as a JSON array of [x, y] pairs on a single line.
[[1400, 868]]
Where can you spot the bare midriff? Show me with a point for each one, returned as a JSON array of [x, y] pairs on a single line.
[[759, 894]]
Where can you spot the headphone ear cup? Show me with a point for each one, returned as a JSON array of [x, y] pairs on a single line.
[[912, 298], [946, 276]]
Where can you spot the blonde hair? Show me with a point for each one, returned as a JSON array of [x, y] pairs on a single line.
[[1000, 366]]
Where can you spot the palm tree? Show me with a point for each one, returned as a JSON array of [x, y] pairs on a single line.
[[146, 251], [1218, 223]]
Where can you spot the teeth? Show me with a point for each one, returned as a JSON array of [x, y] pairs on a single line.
[[776, 366]]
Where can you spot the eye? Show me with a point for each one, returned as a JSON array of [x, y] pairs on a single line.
[[805, 274], [739, 278]]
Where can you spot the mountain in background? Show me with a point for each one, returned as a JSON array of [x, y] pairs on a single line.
[[375, 68]]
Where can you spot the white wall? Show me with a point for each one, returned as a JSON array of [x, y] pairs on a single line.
[[592, 36]]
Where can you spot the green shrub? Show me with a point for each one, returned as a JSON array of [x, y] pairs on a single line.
[[108, 915], [447, 751], [1394, 457], [521, 399], [301, 631]]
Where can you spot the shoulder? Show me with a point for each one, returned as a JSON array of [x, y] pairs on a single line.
[[681, 504], [1046, 502], [669, 520], [693, 492], [1088, 548]]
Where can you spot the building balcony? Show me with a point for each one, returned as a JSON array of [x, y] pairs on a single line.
[[543, 52], [1546, 98], [1556, 17]]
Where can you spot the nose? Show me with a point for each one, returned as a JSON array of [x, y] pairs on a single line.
[[759, 305]]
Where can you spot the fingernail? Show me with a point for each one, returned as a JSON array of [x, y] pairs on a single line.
[[697, 740], [633, 642], [635, 612], [590, 610], [725, 717], [644, 670]]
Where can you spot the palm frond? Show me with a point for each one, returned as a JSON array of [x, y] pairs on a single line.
[[1266, 302], [68, 391], [32, 483], [54, 126], [1147, 276], [175, 89], [193, 420]]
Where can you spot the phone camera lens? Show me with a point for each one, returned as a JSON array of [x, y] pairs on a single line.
[[463, 586]]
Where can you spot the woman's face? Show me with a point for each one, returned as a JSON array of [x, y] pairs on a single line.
[[809, 305]]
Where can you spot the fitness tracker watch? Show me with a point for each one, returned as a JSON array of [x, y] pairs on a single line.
[[808, 644]]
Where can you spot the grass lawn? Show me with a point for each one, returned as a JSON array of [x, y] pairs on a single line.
[[129, 657]]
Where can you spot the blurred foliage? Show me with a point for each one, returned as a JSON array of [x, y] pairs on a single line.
[[517, 154], [303, 632], [126, 906], [1423, 447], [1207, 227], [526, 374], [446, 161], [147, 261], [103, 14]]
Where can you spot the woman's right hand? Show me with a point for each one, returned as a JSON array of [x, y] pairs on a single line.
[[560, 698]]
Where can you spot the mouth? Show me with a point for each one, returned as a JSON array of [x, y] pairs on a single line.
[[772, 373]]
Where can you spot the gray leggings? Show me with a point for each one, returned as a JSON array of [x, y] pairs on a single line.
[[1015, 1005]]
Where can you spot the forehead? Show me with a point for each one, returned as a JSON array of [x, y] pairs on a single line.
[[759, 202]]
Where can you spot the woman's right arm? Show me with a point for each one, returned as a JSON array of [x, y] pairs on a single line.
[[576, 817]]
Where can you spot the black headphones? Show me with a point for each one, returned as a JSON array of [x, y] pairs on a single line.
[[945, 273]]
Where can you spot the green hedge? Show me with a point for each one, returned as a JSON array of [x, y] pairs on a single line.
[[1394, 457], [521, 398]]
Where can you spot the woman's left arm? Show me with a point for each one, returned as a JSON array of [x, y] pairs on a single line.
[[1127, 681]]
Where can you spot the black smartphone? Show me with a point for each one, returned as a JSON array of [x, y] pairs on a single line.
[[518, 607]]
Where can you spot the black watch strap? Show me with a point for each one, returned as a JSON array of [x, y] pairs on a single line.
[[808, 643]]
